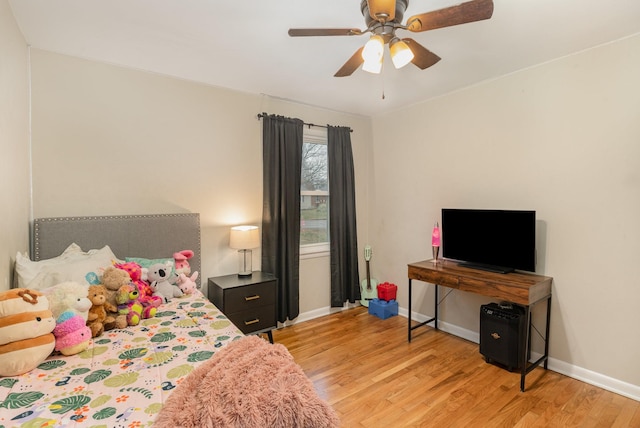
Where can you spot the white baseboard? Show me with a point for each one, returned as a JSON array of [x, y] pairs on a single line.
[[317, 313], [605, 382]]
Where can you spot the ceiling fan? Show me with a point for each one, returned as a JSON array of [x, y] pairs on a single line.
[[383, 18]]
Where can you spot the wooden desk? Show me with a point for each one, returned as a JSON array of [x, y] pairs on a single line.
[[520, 288]]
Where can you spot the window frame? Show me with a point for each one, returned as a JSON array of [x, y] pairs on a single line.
[[316, 135]]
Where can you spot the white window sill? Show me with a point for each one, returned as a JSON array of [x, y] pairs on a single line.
[[304, 256], [313, 251]]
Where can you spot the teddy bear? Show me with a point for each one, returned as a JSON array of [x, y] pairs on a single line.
[[158, 275], [181, 259], [98, 313], [112, 279], [187, 284], [26, 326], [128, 304], [68, 296], [145, 296], [72, 334]]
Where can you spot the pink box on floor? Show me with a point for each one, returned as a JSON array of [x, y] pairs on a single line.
[[387, 291]]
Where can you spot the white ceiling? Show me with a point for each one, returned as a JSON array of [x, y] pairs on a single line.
[[243, 44]]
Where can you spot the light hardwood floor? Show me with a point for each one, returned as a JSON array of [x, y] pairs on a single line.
[[364, 367]]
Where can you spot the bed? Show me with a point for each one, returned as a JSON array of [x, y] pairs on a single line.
[[127, 376]]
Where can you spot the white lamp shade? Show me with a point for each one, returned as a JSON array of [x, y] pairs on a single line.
[[373, 66], [372, 54], [244, 237], [401, 54], [373, 49]]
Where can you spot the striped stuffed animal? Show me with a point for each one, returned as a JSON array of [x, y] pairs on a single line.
[[26, 326]]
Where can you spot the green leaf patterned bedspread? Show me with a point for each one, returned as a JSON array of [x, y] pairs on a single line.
[[124, 377]]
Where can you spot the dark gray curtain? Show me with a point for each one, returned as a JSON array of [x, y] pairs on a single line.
[[345, 283], [282, 163]]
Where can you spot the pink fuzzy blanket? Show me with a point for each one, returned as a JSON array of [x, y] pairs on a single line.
[[248, 383]]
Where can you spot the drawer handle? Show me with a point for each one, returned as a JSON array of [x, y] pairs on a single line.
[[254, 297], [255, 321]]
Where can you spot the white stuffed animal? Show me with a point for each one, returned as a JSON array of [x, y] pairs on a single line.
[[158, 277], [68, 296]]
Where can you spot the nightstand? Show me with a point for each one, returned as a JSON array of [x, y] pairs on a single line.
[[248, 301]]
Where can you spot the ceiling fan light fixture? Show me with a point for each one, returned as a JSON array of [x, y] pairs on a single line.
[[372, 54], [373, 66], [374, 49], [401, 54], [384, 17]]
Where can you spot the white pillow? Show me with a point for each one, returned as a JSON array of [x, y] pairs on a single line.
[[72, 265], [26, 269]]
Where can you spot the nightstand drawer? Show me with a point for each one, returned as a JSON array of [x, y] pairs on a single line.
[[254, 319], [250, 297]]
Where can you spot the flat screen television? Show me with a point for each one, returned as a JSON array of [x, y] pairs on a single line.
[[494, 240]]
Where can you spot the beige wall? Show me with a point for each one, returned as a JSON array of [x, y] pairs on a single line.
[[14, 143], [110, 140], [562, 139]]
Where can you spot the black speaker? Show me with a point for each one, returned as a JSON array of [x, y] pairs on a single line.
[[503, 334]]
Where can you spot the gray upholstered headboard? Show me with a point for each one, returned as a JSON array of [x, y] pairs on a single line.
[[149, 236]]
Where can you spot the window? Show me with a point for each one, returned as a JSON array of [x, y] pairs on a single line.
[[314, 193]]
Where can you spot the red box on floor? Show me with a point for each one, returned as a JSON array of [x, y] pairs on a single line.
[[387, 291]]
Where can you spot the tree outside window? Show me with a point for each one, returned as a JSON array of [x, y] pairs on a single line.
[[314, 193]]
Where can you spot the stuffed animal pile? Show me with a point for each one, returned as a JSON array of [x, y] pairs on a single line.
[[66, 316], [26, 326]]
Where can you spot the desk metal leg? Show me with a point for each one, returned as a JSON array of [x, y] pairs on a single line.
[[526, 367], [409, 317], [435, 308], [524, 363], [434, 319], [546, 334]]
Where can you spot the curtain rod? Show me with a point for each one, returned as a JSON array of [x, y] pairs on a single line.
[[261, 115]]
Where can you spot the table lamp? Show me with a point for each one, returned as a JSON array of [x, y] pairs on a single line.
[[243, 239]]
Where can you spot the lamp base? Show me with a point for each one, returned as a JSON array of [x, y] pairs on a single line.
[[435, 251], [244, 263]]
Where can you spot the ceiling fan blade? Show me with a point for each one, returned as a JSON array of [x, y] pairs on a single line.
[[382, 10], [475, 10], [351, 65], [422, 57], [302, 32]]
